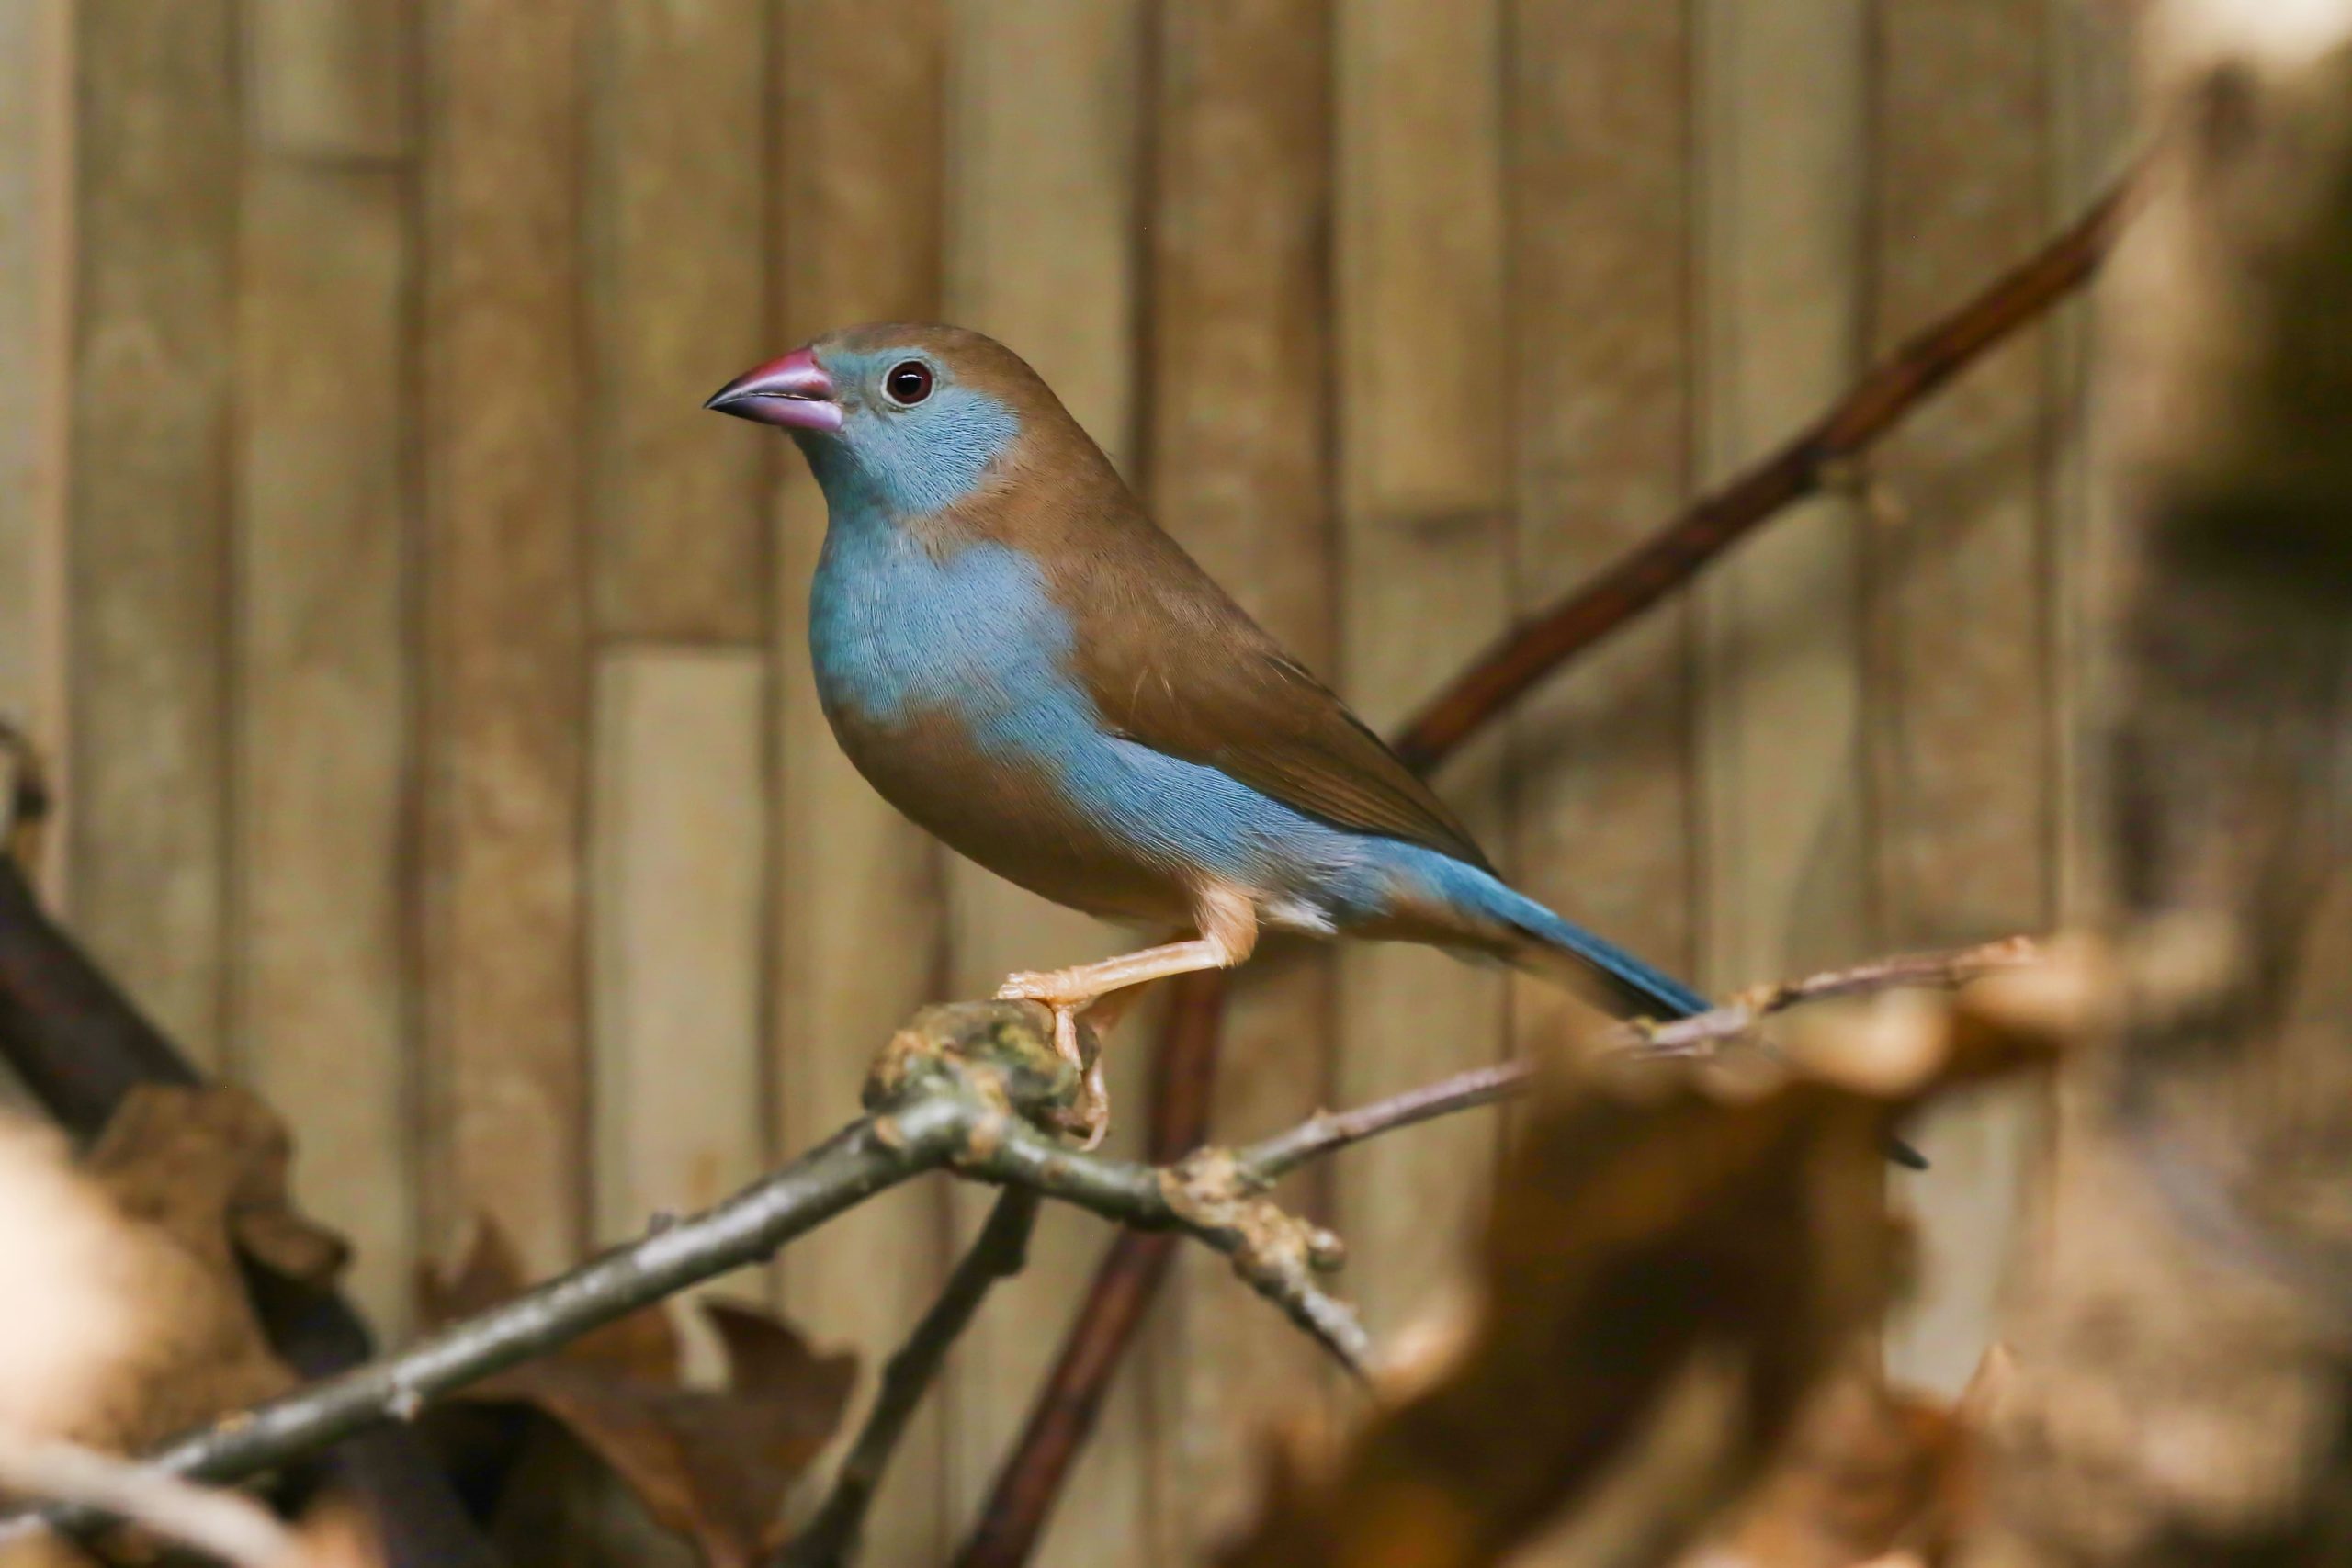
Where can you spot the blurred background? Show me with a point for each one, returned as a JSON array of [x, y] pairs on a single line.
[[424, 671]]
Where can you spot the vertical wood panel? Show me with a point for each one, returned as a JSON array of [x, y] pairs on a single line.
[[1958, 719], [323, 754], [674, 184], [2091, 135], [1041, 255], [859, 918], [36, 172], [1425, 483], [505, 623], [329, 78], [156, 211], [1783, 833], [1601, 192], [1237, 459], [679, 807]]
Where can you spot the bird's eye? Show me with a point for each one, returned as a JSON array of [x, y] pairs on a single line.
[[908, 383]]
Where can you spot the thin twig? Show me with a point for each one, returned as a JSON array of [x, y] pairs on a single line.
[[934, 1118], [1069, 1404], [1802, 467], [224, 1525], [1704, 1033], [1069, 1401], [1001, 1251], [849, 1168], [944, 1118], [1271, 1160], [1275, 1253], [1268, 1161]]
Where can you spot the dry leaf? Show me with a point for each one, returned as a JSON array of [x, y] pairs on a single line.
[[1648, 1230], [123, 1315], [1866, 1470], [337, 1537], [209, 1166], [712, 1465]]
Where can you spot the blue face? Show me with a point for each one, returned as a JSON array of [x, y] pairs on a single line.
[[912, 439]]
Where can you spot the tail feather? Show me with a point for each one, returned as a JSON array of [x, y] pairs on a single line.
[[1498, 919], [1599, 969]]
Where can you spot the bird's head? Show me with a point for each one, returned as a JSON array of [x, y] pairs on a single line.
[[911, 417]]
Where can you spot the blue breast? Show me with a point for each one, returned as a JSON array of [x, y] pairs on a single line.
[[900, 635]]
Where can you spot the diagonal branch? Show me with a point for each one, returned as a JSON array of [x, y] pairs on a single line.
[[1070, 1400], [965, 1087], [79, 1045], [1268, 1161], [1803, 467], [224, 1525], [1001, 1251]]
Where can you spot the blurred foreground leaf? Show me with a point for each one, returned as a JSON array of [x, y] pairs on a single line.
[[1666, 1227], [712, 1466]]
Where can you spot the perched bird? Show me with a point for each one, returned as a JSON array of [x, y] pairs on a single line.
[[1020, 660]]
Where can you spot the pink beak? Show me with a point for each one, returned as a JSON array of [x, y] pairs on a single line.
[[793, 392]]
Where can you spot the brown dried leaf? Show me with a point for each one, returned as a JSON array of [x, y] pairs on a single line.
[[1866, 1470], [1649, 1229], [209, 1166], [712, 1465], [644, 1345], [131, 1262], [337, 1537]]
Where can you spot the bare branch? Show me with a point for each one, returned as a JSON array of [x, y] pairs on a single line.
[[1267, 1161], [850, 1166], [1206, 1196], [1001, 1251], [220, 1523], [963, 1088], [954, 1089], [1703, 1033]]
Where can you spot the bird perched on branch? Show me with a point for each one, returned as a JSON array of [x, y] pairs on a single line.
[[1019, 660]]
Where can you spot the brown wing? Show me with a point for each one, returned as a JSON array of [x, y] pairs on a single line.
[[1174, 664]]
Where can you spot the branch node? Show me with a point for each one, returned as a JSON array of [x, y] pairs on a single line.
[[999, 1054]]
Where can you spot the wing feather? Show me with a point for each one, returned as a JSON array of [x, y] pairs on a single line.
[[1174, 664]]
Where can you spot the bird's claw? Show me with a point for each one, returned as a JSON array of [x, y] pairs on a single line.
[[1090, 1120], [1048, 986]]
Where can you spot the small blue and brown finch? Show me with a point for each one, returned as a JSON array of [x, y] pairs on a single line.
[[1019, 660]]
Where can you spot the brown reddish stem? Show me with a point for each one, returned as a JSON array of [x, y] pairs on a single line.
[[1802, 468], [1071, 1401]]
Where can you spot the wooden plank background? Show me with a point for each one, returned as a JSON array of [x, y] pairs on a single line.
[[428, 670]]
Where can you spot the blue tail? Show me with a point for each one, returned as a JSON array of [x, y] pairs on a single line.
[[1650, 989], [1498, 919]]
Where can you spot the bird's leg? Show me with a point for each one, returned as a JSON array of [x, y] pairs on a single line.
[[1229, 926]]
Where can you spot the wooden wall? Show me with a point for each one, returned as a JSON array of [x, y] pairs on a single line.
[[428, 674]]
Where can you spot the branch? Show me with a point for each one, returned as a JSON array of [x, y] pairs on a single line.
[[969, 1088], [220, 1523], [80, 1046], [1268, 1161], [1802, 467], [1001, 1251], [1070, 1400], [961, 1088]]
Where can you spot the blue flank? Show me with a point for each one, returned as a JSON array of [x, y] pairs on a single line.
[[896, 630]]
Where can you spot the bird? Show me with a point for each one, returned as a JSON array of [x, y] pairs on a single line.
[[1021, 661]]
